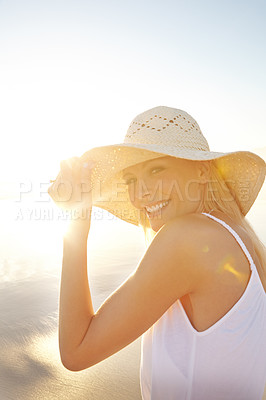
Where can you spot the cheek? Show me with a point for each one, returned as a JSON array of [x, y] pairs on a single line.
[[132, 195], [179, 188], [190, 188], [173, 188]]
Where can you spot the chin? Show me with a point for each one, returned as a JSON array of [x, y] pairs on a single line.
[[156, 224]]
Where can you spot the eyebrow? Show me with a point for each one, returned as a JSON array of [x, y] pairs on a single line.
[[146, 163], [124, 174]]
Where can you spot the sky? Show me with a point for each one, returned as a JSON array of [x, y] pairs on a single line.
[[73, 74]]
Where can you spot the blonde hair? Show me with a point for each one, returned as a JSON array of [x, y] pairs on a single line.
[[217, 196]]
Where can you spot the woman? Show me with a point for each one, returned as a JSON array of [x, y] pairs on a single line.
[[198, 294]]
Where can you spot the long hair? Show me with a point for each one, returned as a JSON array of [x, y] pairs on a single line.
[[217, 196]]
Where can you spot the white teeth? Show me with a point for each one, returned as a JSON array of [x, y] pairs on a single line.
[[157, 207]]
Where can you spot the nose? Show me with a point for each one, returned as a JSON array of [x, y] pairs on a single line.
[[142, 190]]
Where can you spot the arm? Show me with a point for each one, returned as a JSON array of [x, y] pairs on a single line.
[[168, 271], [75, 306], [72, 191]]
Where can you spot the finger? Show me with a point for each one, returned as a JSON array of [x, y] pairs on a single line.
[[64, 165], [86, 170], [65, 170], [70, 169], [72, 161], [70, 164]]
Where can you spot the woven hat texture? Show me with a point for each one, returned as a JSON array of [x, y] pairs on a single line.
[[163, 131]]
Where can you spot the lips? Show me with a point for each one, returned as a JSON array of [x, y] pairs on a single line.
[[156, 209]]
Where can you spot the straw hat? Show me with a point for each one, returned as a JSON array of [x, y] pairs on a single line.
[[163, 131]]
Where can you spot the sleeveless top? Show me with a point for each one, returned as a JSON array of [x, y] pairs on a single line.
[[225, 362]]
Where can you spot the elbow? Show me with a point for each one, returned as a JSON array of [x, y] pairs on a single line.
[[72, 363], [69, 362], [70, 366]]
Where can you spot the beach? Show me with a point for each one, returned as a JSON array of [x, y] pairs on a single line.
[[31, 257]]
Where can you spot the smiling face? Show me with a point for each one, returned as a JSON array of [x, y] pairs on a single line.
[[166, 187]]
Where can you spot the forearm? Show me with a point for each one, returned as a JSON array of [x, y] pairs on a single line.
[[75, 309]]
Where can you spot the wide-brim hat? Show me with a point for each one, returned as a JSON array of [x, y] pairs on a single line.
[[163, 131]]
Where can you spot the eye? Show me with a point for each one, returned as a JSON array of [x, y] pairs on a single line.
[[156, 170], [152, 171], [129, 181]]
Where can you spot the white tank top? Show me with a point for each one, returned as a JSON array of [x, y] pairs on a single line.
[[225, 362]]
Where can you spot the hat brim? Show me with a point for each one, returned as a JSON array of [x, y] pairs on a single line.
[[243, 171]]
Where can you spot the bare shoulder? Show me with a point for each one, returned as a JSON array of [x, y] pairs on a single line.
[[191, 229], [184, 239], [189, 221], [216, 246], [195, 239]]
